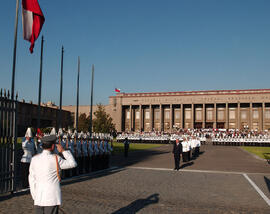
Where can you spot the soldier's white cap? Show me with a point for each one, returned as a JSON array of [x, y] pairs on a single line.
[[60, 132], [75, 133], [53, 131], [69, 132], [28, 132]]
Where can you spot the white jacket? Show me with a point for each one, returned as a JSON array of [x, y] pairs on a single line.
[[43, 180], [185, 146]]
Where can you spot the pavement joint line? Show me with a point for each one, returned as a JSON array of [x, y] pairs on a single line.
[[257, 189], [195, 170]]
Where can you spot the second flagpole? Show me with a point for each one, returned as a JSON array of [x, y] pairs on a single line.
[[40, 81]]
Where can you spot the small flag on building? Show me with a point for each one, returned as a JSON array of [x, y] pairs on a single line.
[[117, 90], [32, 21]]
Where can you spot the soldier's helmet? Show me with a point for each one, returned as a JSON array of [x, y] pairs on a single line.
[[28, 133]]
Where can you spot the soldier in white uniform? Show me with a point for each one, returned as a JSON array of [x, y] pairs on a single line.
[[185, 149], [44, 176], [28, 147]]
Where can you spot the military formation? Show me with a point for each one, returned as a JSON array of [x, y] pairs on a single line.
[[91, 153]]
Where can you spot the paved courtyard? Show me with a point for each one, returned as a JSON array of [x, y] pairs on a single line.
[[220, 180]]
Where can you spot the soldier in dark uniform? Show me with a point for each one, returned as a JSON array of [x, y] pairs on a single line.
[[126, 145], [177, 151]]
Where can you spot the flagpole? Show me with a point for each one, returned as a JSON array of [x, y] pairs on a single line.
[[40, 81], [78, 87], [91, 105], [14, 51], [61, 89]]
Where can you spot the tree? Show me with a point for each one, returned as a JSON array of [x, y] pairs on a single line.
[[83, 123], [102, 123]]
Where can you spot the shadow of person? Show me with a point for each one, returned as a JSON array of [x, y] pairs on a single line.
[[186, 164], [267, 181], [137, 205]]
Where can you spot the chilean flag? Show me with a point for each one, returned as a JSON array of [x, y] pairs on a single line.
[[32, 20], [117, 90]]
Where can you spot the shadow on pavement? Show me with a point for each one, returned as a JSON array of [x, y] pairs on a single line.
[[267, 181], [186, 165], [17, 194], [92, 175], [135, 157], [139, 204]]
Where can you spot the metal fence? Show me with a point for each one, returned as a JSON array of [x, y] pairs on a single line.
[[8, 142]]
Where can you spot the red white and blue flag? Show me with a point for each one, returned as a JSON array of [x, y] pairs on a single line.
[[117, 90], [32, 21]]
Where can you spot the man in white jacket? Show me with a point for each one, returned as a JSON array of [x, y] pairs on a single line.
[[44, 175]]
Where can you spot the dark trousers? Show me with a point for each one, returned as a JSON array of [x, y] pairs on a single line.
[[46, 210], [25, 173], [177, 162], [126, 152], [185, 156]]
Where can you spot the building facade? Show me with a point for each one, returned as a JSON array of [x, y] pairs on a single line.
[[166, 111], [49, 116]]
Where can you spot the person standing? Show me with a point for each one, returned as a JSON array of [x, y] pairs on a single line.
[[44, 175], [28, 147], [177, 151], [126, 145], [185, 149]]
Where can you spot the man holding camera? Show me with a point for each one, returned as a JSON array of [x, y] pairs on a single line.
[[44, 175]]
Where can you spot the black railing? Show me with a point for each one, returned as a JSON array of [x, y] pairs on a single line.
[[8, 141]]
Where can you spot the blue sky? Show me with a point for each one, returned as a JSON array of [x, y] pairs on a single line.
[[140, 46]]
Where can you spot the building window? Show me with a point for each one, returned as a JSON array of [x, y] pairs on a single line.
[[167, 114], [209, 114], [147, 126], [157, 115], [243, 115], [220, 115], [255, 114], [188, 114], [128, 115], [198, 115], [232, 114], [177, 115], [147, 115], [267, 114], [137, 115]]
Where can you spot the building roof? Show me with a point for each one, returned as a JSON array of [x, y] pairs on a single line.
[[185, 93]]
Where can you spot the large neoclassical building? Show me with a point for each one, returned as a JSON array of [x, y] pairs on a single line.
[[164, 111]]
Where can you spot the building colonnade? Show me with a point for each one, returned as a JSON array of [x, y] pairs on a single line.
[[167, 117]]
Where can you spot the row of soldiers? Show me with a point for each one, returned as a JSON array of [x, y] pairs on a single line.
[[92, 153], [190, 146], [157, 137]]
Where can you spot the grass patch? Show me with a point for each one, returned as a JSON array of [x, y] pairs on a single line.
[[262, 152], [119, 147]]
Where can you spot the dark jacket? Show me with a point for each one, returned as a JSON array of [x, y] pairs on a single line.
[[177, 149]]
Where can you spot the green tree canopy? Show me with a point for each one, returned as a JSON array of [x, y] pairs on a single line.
[[83, 123], [102, 123]]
